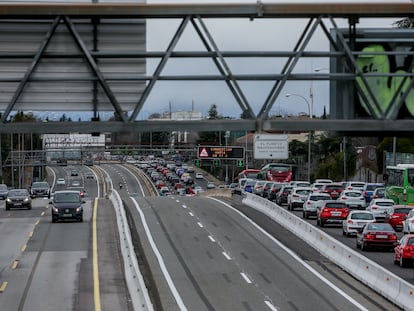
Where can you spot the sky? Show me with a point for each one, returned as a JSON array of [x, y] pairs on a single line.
[[242, 35]]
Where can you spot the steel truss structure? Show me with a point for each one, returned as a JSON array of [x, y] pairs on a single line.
[[318, 15]]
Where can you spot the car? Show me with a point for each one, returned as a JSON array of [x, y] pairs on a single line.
[[332, 212], [266, 188], [19, 198], [211, 185], [378, 193], [355, 185], [248, 185], [3, 191], [334, 190], [396, 215], [317, 187], [190, 169], [300, 183], [276, 186], [356, 220], [323, 181], [60, 181], [259, 187], [89, 162], [164, 191], [354, 199], [90, 175], [408, 223], [40, 189], [404, 251], [379, 207], [199, 175], [74, 173], [297, 197], [369, 189], [376, 235], [75, 183], [313, 202], [282, 195], [67, 205], [198, 189]]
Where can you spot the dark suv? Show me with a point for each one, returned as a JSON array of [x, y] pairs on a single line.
[[67, 204], [40, 189]]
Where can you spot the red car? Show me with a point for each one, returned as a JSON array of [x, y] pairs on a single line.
[[376, 234], [396, 215], [404, 251], [332, 212], [334, 190]]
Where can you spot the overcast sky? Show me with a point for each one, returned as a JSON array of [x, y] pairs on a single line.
[[241, 35]]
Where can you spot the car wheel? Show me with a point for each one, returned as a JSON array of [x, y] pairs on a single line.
[[54, 219], [357, 244], [321, 223], [81, 219], [403, 262], [29, 207], [7, 208], [364, 247], [343, 232], [318, 222]]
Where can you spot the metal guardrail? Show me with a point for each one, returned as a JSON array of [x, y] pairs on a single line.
[[392, 287]]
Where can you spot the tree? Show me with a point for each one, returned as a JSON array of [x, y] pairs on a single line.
[[213, 112]]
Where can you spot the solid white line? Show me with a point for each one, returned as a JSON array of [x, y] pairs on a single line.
[[270, 305], [246, 278], [298, 259], [226, 255], [163, 267], [211, 238]]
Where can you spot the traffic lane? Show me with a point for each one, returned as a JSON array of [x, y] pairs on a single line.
[[121, 175], [383, 257], [365, 295], [221, 261]]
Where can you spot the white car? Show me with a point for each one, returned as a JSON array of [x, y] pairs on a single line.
[[379, 208], [356, 220], [313, 202], [199, 176], [61, 181], [355, 185], [324, 181], [298, 197], [408, 223], [354, 199]]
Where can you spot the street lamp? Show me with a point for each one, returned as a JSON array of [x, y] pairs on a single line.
[[310, 109]]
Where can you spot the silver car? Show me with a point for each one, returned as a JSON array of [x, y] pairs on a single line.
[[354, 199], [356, 220], [408, 223], [313, 202], [379, 208], [297, 197]]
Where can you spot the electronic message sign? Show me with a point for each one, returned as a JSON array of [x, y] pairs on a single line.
[[220, 152]]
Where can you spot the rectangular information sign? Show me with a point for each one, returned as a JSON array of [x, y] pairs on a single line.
[[220, 152], [271, 146]]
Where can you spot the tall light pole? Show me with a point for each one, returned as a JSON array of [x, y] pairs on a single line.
[[310, 109]]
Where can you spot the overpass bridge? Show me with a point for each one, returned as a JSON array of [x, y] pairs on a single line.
[[105, 44]]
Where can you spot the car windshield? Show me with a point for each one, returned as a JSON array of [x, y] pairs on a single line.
[[353, 194], [303, 192], [335, 205], [380, 226], [402, 210], [385, 203], [333, 187], [67, 197], [3, 187], [17, 193], [410, 241], [362, 216], [319, 197], [40, 185]]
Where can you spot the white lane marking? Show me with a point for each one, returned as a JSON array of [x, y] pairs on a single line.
[[200, 224], [178, 201], [226, 255], [191, 214], [245, 277], [211, 238], [270, 306], [297, 258], [184, 206], [163, 267]]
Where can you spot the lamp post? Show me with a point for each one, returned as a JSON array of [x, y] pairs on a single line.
[[310, 109]]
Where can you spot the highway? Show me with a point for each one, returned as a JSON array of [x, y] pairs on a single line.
[[200, 253]]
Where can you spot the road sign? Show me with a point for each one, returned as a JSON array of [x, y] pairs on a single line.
[[220, 152], [269, 146], [240, 163], [197, 162]]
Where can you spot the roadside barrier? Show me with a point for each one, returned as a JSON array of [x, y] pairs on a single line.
[[135, 282], [389, 285]]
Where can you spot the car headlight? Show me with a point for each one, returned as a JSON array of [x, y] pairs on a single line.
[[8, 200], [79, 209], [26, 199], [55, 209]]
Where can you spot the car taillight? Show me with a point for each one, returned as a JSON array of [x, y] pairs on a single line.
[[374, 207], [295, 195], [369, 236], [412, 221], [393, 237], [309, 203], [395, 216], [344, 198], [350, 221]]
